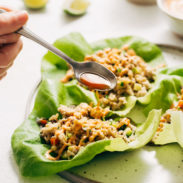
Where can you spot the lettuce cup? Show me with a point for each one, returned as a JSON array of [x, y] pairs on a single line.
[[69, 124]]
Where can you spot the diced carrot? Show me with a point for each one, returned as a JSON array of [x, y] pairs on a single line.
[[163, 120], [161, 129], [158, 129], [54, 141], [127, 121], [161, 125], [180, 104], [43, 121]]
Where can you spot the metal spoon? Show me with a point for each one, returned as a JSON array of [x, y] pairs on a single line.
[[79, 67]]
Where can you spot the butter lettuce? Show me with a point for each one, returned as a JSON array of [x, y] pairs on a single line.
[[172, 132], [75, 46], [27, 146], [29, 150], [177, 122]]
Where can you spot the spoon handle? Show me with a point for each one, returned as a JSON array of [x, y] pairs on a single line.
[[32, 36]]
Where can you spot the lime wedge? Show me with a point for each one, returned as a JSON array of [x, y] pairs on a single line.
[[76, 7], [35, 4]]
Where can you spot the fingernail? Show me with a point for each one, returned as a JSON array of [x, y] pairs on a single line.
[[22, 16], [19, 12]]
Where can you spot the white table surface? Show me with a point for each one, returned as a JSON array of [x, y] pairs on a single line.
[[105, 18]]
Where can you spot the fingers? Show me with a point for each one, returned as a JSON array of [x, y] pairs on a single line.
[[9, 38], [5, 8], [8, 53], [12, 21], [3, 75], [3, 72]]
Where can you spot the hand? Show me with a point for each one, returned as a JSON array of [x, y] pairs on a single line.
[[10, 43]]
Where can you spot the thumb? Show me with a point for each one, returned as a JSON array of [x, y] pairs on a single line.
[[12, 21]]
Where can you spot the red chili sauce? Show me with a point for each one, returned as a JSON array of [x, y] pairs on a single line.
[[94, 81]]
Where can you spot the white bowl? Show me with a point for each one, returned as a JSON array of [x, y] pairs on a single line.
[[143, 1], [176, 23]]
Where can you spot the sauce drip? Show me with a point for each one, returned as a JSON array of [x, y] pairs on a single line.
[[94, 81], [175, 7]]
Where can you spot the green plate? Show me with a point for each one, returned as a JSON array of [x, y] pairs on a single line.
[[149, 164]]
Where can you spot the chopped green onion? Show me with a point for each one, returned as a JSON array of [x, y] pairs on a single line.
[[69, 135], [118, 69], [115, 124], [129, 133], [135, 70], [122, 84]]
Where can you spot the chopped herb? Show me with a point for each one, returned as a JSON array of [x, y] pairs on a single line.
[[115, 124], [117, 119], [122, 84], [69, 135], [129, 133], [70, 148], [59, 116], [111, 122], [135, 70], [119, 70]]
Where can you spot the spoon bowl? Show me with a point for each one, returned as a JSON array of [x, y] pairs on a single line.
[[96, 69]]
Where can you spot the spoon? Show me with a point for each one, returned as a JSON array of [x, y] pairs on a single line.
[[91, 74]]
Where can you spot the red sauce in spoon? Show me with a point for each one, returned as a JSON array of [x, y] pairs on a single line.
[[94, 81]]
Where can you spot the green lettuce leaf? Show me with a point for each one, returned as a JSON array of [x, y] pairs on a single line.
[[166, 136], [172, 132], [26, 143], [29, 151], [148, 51], [77, 48], [177, 122]]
